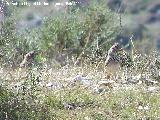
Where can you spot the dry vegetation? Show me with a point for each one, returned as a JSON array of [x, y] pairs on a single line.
[[82, 92], [60, 71]]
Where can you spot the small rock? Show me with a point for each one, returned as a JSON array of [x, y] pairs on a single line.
[[54, 85], [98, 89], [146, 107], [134, 79], [153, 89], [87, 118], [108, 83], [50, 84], [86, 83], [79, 78], [83, 80], [140, 107], [18, 84], [41, 84], [69, 106], [137, 77], [143, 108], [150, 82]]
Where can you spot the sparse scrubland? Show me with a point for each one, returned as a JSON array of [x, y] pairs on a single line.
[[67, 78]]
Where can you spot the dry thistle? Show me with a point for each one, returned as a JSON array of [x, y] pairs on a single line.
[[28, 59]]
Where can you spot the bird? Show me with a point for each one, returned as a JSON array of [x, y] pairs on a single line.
[[28, 59], [112, 55], [117, 58]]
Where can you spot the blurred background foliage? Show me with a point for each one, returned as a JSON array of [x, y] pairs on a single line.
[[71, 31], [88, 27]]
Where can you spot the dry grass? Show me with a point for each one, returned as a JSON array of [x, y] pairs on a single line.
[[79, 92]]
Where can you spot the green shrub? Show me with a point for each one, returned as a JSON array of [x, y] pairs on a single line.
[[88, 30], [91, 28], [15, 45], [23, 102], [7, 105]]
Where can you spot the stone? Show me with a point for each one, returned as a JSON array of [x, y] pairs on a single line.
[[108, 83], [69, 106]]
